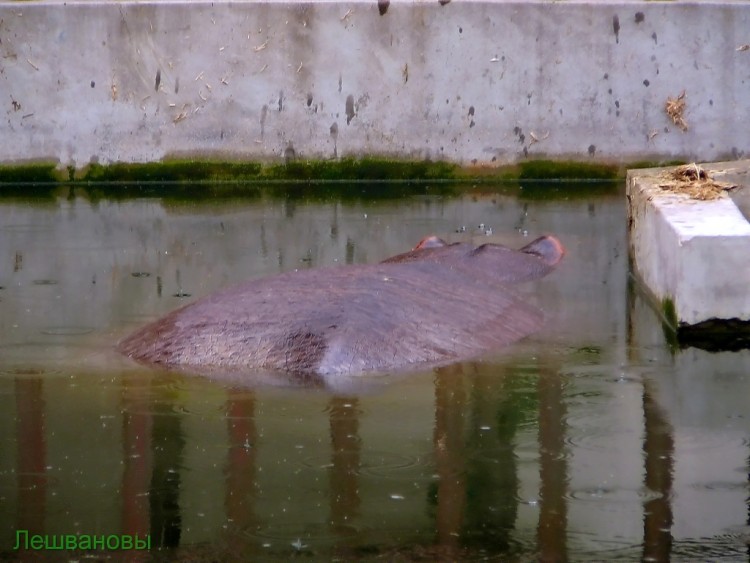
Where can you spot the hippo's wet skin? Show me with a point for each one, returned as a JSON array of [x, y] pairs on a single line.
[[436, 304]]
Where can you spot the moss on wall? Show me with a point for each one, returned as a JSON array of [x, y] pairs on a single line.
[[367, 169], [669, 312], [180, 171], [31, 173]]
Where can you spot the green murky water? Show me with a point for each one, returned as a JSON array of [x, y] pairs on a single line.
[[593, 439]]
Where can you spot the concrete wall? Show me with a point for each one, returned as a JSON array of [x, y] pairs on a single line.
[[466, 80]]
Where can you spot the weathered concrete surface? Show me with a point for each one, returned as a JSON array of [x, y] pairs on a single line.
[[691, 253], [466, 81]]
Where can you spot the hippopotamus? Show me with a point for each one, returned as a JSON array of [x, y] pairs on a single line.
[[437, 304]]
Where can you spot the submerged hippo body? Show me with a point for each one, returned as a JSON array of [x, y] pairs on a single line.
[[436, 304]]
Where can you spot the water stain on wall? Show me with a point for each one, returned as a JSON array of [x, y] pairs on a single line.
[[263, 115], [616, 27], [335, 135], [349, 109]]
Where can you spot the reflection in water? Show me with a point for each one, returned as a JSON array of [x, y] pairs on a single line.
[[241, 468], [553, 468], [501, 401], [658, 439], [658, 448], [349, 253], [178, 281], [290, 206], [137, 422], [344, 499], [32, 455], [334, 229], [450, 456], [168, 444]]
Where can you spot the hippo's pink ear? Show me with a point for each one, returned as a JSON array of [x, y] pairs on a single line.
[[548, 248], [430, 242]]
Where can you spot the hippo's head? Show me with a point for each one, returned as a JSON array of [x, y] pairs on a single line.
[[494, 261]]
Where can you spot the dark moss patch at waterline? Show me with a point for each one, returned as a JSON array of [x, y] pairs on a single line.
[[669, 323], [178, 171], [32, 173], [564, 170], [367, 169], [358, 190], [579, 189], [669, 312], [222, 192], [186, 171], [186, 192]]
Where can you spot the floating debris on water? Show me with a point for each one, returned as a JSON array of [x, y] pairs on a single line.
[[298, 545]]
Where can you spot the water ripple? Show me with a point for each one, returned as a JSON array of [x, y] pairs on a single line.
[[376, 463], [32, 372], [613, 495], [298, 537], [67, 330]]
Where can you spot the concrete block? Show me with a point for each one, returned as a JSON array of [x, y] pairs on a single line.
[[693, 256]]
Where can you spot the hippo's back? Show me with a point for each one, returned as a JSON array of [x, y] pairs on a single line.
[[344, 320]]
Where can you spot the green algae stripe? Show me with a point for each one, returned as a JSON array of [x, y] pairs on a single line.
[[172, 171], [366, 169], [669, 312], [31, 173]]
